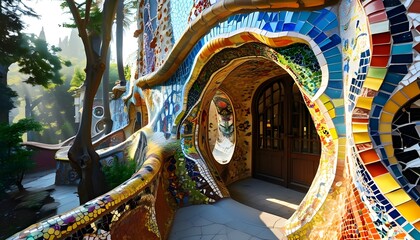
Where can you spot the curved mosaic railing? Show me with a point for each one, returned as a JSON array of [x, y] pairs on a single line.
[[98, 217], [382, 92]]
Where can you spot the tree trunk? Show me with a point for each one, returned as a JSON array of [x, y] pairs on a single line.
[[4, 113], [119, 41], [105, 97], [83, 157]]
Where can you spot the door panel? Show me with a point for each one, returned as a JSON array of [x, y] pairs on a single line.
[[286, 147]]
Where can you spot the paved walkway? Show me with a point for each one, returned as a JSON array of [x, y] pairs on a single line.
[[229, 219], [66, 197]]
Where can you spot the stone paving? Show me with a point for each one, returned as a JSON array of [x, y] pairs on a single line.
[[229, 219]]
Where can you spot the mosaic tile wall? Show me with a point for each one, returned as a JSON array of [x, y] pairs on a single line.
[[367, 69]]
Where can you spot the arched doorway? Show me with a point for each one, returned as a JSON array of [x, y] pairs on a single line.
[[286, 146]]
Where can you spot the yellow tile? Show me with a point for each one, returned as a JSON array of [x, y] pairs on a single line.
[[338, 102], [391, 107], [399, 98], [364, 102], [410, 210], [389, 149], [333, 133], [361, 137], [324, 98], [332, 113], [373, 83], [386, 117], [360, 128], [398, 197], [386, 138], [342, 141], [385, 128], [386, 183], [329, 105], [392, 160], [411, 90]]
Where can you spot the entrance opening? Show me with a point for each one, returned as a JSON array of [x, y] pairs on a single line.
[[286, 147]]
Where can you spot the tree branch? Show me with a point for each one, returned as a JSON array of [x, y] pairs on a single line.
[[109, 11]]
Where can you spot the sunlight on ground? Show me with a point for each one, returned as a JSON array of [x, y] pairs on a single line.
[[283, 203]]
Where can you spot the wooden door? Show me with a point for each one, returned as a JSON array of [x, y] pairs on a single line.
[[286, 147], [305, 146], [270, 161]]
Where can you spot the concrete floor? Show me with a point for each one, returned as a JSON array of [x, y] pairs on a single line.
[[269, 206]]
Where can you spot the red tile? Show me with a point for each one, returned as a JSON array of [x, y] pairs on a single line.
[[379, 61], [374, 6], [378, 17], [415, 7], [382, 50], [381, 38], [376, 169], [417, 47]]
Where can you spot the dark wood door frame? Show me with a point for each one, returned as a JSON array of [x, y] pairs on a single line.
[[294, 162]]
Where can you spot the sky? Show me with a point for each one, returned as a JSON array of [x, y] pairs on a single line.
[[52, 16]]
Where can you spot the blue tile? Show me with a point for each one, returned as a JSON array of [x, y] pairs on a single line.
[[331, 16], [399, 28], [401, 220], [295, 17], [402, 69], [340, 129], [335, 84], [402, 17], [314, 15], [395, 11], [261, 16], [334, 93], [391, 3], [289, 26], [321, 16], [339, 111], [282, 15], [415, 234], [381, 98], [331, 52], [338, 119], [402, 37], [376, 139], [402, 58], [335, 67], [334, 59], [393, 78], [314, 32], [304, 16], [395, 170], [288, 17], [279, 26], [306, 28], [267, 27], [386, 87], [402, 48], [332, 25], [299, 25], [323, 24], [321, 37], [334, 76], [373, 124], [408, 227], [335, 40], [402, 180]]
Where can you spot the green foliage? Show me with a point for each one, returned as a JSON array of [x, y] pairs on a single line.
[[118, 172], [78, 79], [14, 158], [40, 62], [127, 72], [6, 97]]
